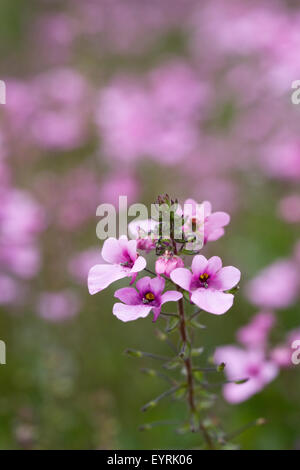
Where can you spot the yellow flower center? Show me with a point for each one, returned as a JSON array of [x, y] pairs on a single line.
[[203, 277], [149, 296]]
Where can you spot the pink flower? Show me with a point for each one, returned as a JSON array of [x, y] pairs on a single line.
[[80, 264], [207, 283], [276, 286], [256, 332], [244, 364], [123, 261], [58, 306], [214, 222], [139, 303], [167, 263]]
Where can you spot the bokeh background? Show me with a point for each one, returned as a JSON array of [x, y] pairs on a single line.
[[114, 97]]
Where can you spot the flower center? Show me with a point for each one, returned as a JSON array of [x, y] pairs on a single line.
[[149, 297], [253, 370], [203, 278]]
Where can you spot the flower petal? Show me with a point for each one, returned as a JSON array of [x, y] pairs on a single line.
[[207, 208], [218, 219], [214, 235], [234, 393], [171, 296], [182, 277], [214, 264], [212, 301], [130, 312], [143, 284], [102, 275], [112, 251], [139, 264], [131, 249], [228, 277], [157, 285], [128, 295], [156, 313], [199, 264]]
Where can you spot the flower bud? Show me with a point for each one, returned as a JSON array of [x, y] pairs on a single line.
[[167, 263]]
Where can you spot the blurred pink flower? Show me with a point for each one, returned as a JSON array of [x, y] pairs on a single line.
[[156, 116], [255, 334], [80, 264], [117, 184], [276, 286], [58, 306], [282, 160], [244, 364], [10, 290]]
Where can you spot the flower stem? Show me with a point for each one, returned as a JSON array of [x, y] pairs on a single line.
[[187, 362]]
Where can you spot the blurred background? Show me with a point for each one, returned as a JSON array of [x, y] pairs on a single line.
[[128, 97]]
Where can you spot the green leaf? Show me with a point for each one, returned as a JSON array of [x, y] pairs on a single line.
[[193, 322], [240, 382]]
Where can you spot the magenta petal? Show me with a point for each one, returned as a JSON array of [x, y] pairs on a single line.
[[157, 285], [156, 313], [182, 277], [199, 264], [133, 278], [143, 285], [128, 295], [171, 296], [112, 251], [228, 277], [139, 264], [102, 275], [130, 312], [212, 301]]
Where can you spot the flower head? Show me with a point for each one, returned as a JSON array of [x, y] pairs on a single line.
[[276, 286], [123, 259], [207, 283], [255, 334], [212, 225], [139, 303], [244, 364]]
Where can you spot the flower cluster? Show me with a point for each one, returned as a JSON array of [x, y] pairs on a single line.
[[206, 282], [202, 285]]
